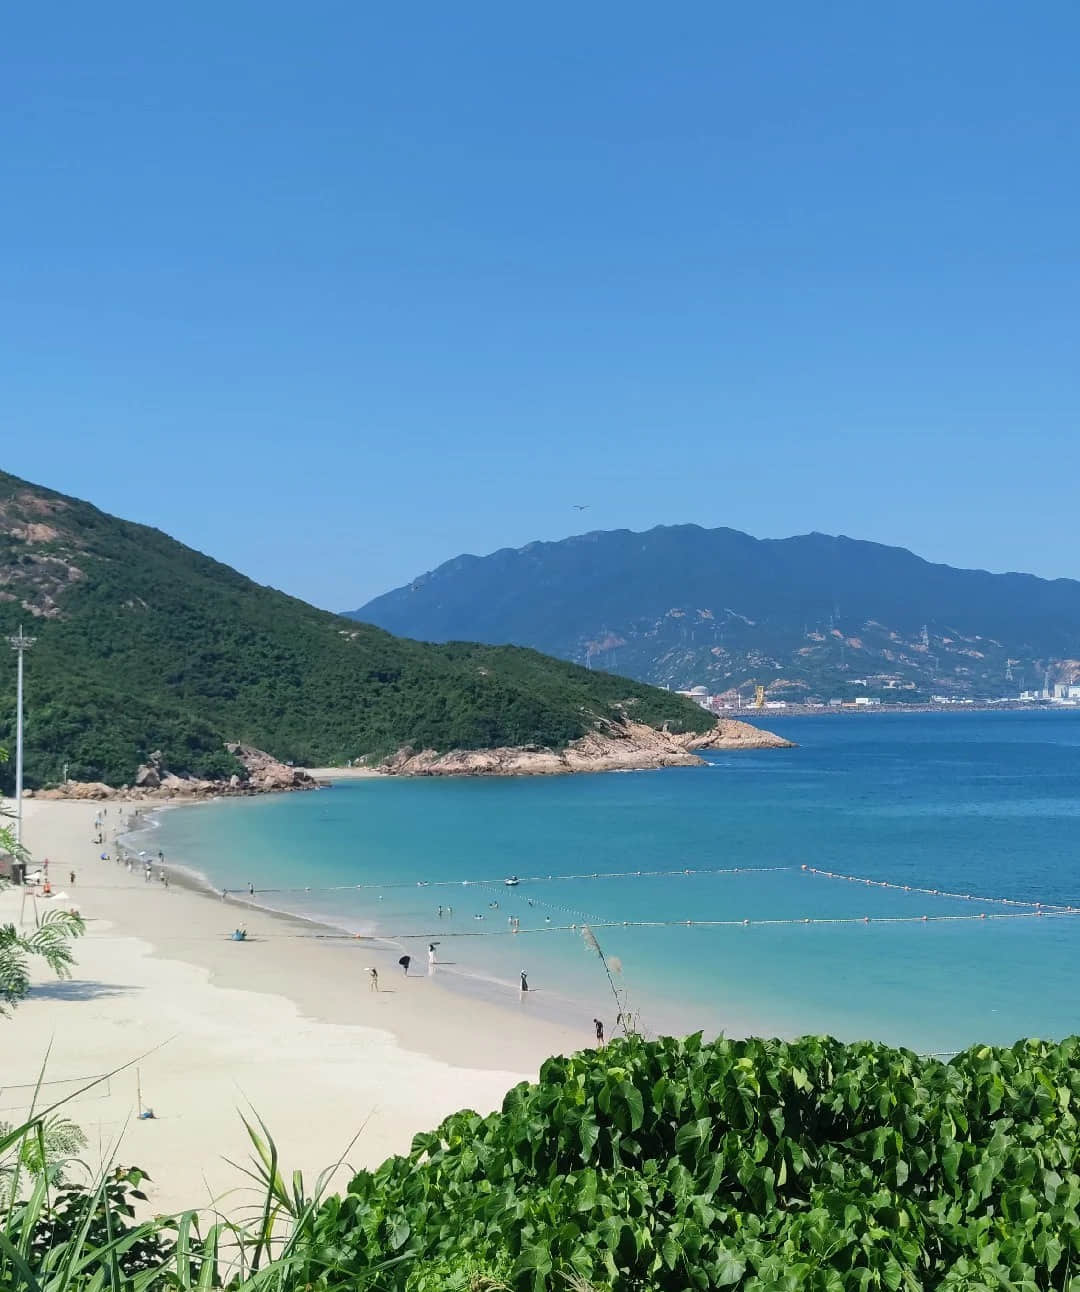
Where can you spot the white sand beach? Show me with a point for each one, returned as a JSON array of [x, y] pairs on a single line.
[[282, 1024]]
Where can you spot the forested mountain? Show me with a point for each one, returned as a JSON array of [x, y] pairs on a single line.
[[810, 617], [143, 644]]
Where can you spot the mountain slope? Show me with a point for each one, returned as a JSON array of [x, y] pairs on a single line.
[[808, 616], [144, 644]]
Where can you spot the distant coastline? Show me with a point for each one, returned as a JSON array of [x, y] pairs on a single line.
[[795, 710]]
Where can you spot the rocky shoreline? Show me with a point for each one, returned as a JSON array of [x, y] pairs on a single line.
[[261, 774], [625, 746]]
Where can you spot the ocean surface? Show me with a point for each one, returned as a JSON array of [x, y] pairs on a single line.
[[979, 804]]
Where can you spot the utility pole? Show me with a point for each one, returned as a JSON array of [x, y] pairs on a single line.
[[20, 643]]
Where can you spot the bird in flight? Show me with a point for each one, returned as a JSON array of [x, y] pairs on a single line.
[[581, 506]]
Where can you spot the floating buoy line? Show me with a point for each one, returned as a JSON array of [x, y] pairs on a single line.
[[522, 879], [804, 922], [1020, 908], [940, 892]]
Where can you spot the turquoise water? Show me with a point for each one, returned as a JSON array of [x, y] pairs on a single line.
[[980, 804]]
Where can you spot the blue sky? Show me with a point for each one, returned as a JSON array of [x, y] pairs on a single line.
[[335, 292]]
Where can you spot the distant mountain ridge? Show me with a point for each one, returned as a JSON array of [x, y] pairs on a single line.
[[813, 616], [146, 646]]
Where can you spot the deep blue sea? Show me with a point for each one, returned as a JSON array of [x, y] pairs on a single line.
[[987, 805]]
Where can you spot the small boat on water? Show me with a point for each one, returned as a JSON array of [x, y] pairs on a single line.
[[511, 881]]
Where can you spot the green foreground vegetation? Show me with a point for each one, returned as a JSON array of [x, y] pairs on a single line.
[[144, 645], [671, 1164]]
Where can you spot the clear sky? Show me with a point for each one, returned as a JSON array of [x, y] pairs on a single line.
[[337, 291]]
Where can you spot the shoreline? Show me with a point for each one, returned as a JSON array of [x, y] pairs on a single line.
[[300, 1038], [547, 1005], [569, 1005]]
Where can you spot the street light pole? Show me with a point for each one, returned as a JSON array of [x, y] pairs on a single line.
[[20, 643]]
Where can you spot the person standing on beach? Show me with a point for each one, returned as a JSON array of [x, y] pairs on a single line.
[[71, 878], [373, 979], [431, 957], [405, 961], [251, 889], [524, 983], [598, 1024]]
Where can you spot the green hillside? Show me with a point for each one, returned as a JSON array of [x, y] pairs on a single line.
[[145, 644]]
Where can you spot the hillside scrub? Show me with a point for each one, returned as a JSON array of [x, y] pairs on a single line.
[[671, 1164], [754, 1164], [144, 644]]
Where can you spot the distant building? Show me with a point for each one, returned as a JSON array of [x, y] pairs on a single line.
[[864, 701], [700, 695]]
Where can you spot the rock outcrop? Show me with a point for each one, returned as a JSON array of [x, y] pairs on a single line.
[[731, 733], [261, 774], [266, 774], [626, 746], [611, 747]]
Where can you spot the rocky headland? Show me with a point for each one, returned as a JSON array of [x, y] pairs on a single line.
[[614, 747], [625, 746]]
